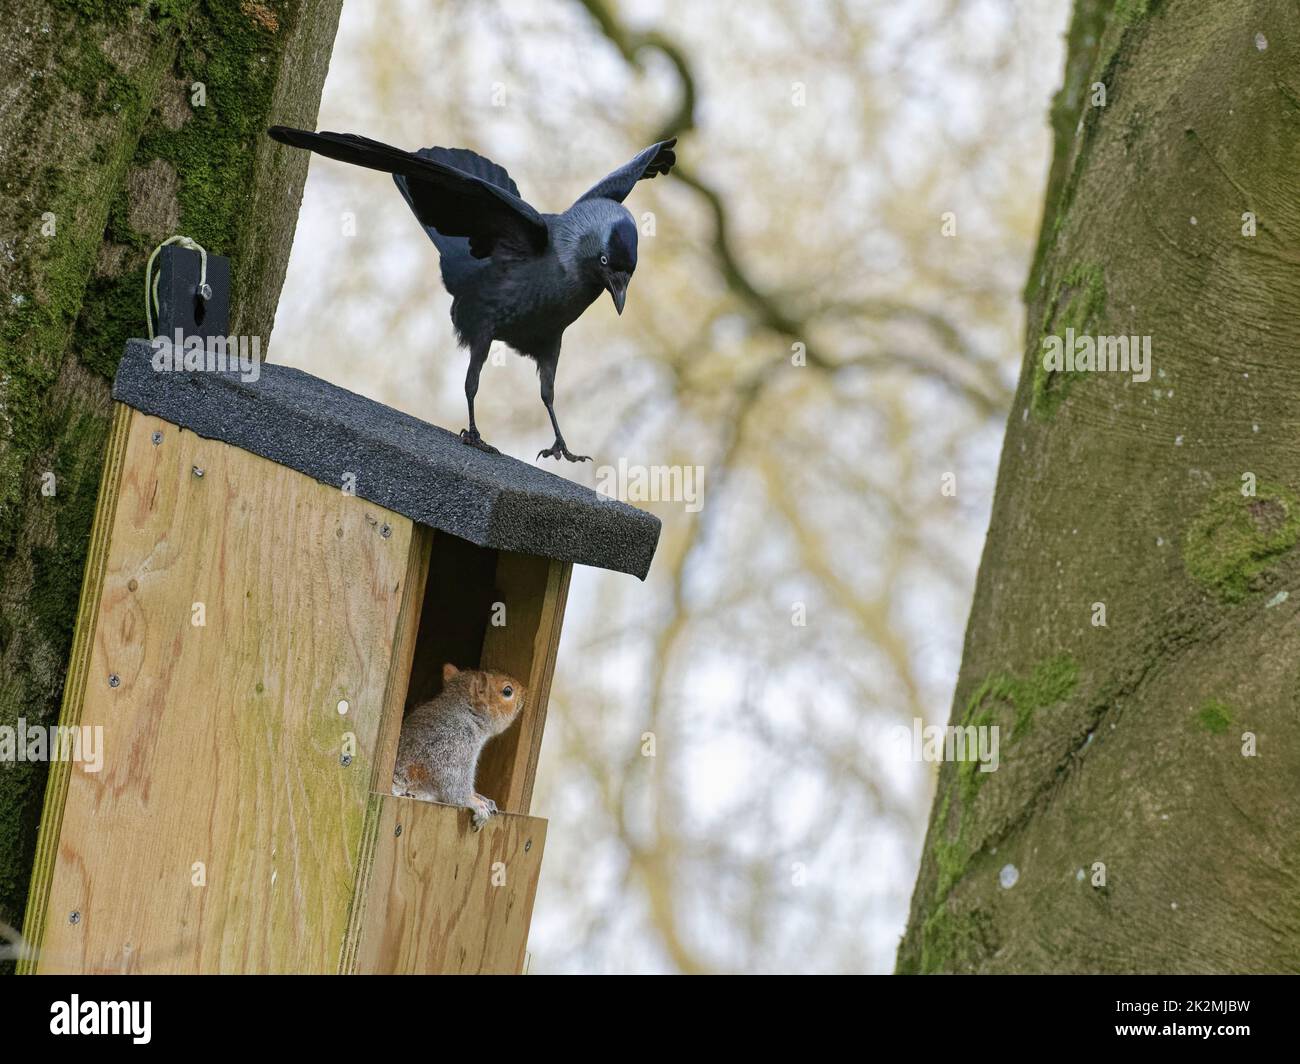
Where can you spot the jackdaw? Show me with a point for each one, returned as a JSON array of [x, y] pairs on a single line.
[[514, 274]]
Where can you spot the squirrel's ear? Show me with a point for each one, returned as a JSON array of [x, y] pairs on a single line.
[[448, 671]]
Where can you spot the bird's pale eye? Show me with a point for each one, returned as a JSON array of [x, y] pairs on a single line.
[[507, 691], [604, 260]]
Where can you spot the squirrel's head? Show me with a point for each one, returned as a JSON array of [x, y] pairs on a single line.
[[495, 697]]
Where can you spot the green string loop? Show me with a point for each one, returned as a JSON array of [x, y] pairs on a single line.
[[151, 305]]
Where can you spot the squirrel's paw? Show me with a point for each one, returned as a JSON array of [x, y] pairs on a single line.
[[482, 808], [488, 802]]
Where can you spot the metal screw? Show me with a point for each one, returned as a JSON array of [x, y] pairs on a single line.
[[156, 436], [345, 760], [114, 680], [528, 845], [198, 472], [74, 917], [385, 531], [397, 831]]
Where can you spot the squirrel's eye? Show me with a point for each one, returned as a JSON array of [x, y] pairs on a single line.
[[507, 690], [604, 260]]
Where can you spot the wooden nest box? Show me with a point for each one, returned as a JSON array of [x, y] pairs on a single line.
[[278, 568]]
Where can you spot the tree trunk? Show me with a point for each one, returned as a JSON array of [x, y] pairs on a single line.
[[1143, 834], [122, 123]]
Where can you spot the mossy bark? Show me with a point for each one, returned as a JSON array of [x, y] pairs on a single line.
[[107, 147], [1144, 835]]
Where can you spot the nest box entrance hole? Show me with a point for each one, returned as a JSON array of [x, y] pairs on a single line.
[[488, 609]]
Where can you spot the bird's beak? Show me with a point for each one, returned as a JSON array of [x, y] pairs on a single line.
[[617, 285]]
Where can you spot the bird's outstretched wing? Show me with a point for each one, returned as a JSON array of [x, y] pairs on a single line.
[[655, 160], [443, 196]]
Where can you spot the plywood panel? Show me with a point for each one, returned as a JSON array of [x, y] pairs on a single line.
[[223, 742], [74, 686], [402, 660], [534, 592], [442, 898]]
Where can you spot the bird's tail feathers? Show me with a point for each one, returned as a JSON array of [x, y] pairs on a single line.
[[457, 259], [349, 148], [362, 151]]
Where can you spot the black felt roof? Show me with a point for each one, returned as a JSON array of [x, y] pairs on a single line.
[[400, 462]]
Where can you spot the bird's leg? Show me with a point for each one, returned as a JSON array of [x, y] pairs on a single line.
[[477, 356], [557, 449]]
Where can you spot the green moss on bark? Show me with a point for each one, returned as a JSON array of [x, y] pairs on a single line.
[[1079, 304], [954, 941], [1235, 543], [1131, 11], [53, 279], [951, 854], [1214, 717], [951, 937], [1048, 682], [970, 778], [234, 55]]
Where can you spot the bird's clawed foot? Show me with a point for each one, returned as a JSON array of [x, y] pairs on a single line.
[[471, 437], [558, 450]]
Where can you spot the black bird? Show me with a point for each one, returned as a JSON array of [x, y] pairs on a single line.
[[514, 274]]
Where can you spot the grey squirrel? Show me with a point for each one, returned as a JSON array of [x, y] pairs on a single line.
[[437, 754]]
